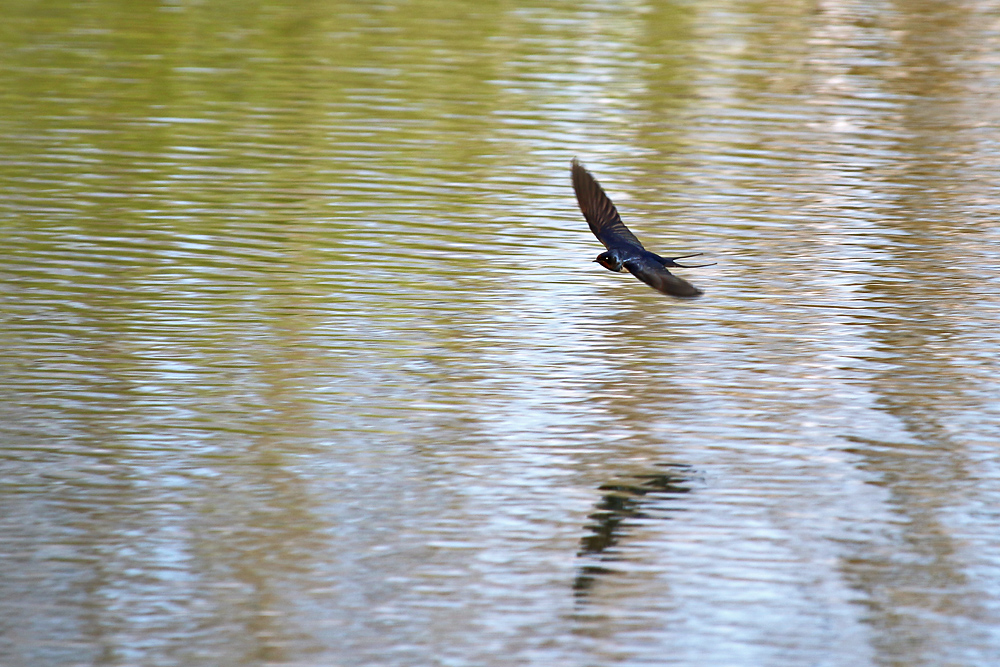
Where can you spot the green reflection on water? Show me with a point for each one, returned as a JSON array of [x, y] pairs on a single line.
[[246, 242]]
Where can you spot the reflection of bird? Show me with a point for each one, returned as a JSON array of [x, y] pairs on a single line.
[[622, 501], [624, 251]]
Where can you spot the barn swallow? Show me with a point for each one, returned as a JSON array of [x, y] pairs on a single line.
[[624, 251]]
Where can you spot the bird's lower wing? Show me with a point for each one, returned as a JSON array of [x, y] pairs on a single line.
[[653, 274]]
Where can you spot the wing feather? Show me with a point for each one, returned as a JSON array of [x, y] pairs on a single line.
[[656, 276], [600, 212]]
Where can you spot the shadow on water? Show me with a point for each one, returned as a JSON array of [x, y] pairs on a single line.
[[623, 500]]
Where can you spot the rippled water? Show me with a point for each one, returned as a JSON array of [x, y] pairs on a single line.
[[305, 359]]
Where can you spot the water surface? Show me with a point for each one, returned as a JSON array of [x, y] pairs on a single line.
[[306, 361]]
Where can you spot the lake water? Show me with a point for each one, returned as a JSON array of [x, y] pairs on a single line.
[[305, 360]]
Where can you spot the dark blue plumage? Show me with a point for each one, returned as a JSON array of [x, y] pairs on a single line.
[[624, 251]]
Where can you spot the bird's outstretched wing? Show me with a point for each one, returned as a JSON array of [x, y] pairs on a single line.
[[651, 272], [601, 214]]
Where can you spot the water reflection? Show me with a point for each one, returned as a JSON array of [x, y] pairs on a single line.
[[304, 355], [622, 501]]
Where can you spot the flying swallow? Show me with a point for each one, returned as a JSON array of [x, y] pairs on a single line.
[[624, 251]]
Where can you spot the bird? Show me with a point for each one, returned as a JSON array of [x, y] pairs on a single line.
[[624, 251]]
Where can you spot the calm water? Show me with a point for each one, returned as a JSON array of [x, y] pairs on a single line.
[[306, 362]]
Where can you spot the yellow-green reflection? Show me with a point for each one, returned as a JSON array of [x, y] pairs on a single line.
[[305, 355]]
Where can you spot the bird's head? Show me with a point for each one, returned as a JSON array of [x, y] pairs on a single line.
[[610, 261]]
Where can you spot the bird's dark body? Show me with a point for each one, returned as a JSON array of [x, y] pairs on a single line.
[[624, 251]]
